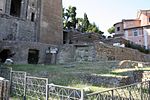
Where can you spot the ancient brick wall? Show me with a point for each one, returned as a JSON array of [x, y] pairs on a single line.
[[99, 52], [66, 54], [70, 53], [21, 50], [16, 29], [33, 20], [108, 52], [51, 27]]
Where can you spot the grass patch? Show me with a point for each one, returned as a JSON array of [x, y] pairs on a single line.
[[66, 75], [69, 75]]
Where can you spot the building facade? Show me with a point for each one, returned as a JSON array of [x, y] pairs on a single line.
[[135, 30], [32, 22]]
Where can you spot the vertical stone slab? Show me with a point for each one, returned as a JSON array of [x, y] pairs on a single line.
[[7, 7], [23, 13]]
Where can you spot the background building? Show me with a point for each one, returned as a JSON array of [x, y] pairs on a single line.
[[135, 30]]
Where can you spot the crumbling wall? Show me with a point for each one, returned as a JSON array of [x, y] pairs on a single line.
[[15, 29], [106, 80], [71, 53], [20, 50], [66, 54], [108, 52], [84, 53], [98, 52]]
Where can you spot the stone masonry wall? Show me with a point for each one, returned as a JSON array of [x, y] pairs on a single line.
[[106, 80], [70, 53], [99, 52], [51, 26], [108, 52], [21, 49], [16, 29], [66, 54]]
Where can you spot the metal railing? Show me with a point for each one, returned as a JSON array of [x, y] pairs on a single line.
[[17, 83], [35, 88], [28, 87], [57, 92], [137, 91], [25, 87]]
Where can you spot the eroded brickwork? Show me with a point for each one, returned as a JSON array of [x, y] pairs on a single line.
[[99, 52], [29, 28], [31, 20], [51, 30]]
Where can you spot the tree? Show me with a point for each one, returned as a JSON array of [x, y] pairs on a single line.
[[85, 23], [111, 30], [69, 18], [81, 24], [93, 28]]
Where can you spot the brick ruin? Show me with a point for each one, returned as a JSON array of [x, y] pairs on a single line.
[[98, 51], [31, 31], [29, 28]]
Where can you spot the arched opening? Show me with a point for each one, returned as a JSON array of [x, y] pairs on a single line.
[[4, 54]]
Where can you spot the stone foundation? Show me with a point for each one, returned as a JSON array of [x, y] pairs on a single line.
[[21, 51]]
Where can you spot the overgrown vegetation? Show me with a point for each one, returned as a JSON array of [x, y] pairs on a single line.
[[70, 74], [132, 45], [111, 30]]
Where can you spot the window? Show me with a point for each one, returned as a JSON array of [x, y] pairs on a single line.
[[15, 8], [32, 17], [135, 32], [118, 28]]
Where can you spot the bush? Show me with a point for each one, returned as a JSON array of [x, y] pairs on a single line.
[[132, 45]]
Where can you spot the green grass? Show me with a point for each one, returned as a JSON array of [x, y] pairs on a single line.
[[73, 74], [70, 76], [66, 75]]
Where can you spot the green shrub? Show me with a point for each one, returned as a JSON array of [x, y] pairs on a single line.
[[132, 45]]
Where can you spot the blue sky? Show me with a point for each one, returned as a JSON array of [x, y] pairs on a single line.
[[107, 12]]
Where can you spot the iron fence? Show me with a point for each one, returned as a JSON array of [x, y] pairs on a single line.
[[28, 87], [35, 88], [137, 91], [57, 92], [18, 83]]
